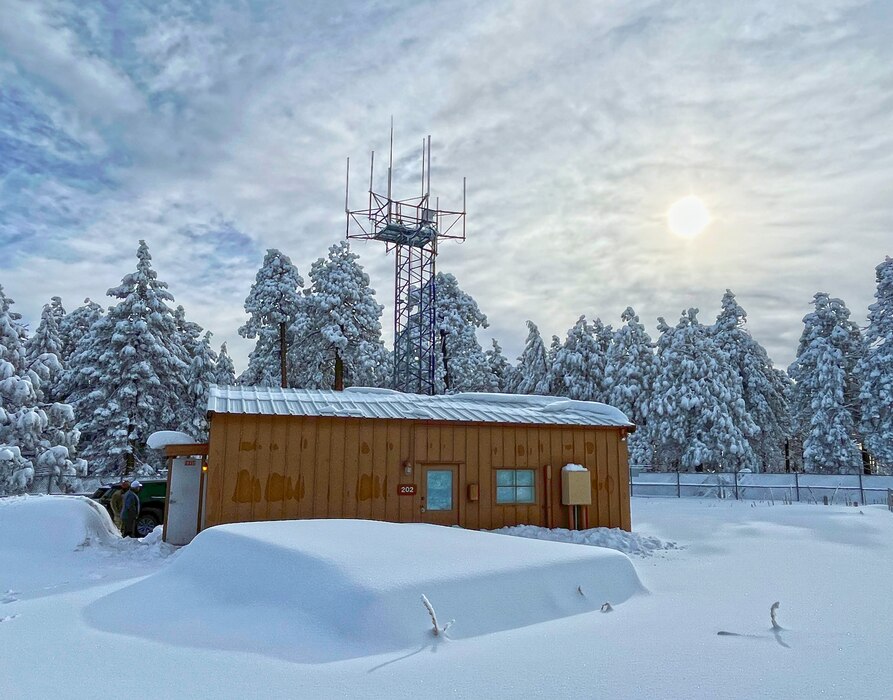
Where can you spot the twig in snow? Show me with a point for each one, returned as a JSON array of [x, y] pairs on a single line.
[[607, 608], [580, 591], [430, 609], [437, 628], [772, 610]]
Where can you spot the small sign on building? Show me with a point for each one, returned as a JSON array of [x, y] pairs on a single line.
[[406, 489]]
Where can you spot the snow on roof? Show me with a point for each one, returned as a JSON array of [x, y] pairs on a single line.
[[363, 402]]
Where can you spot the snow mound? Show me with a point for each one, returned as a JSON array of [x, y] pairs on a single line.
[[321, 590], [53, 524], [612, 538]]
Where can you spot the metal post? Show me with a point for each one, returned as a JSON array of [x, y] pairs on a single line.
[[861, 490], [797, 484], [678, 486], [736, 487]]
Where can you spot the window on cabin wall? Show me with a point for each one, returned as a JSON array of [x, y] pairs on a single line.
[[515, 486]]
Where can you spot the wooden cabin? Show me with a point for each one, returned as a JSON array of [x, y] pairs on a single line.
[[475, 460]]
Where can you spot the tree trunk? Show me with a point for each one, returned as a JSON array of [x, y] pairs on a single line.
[[339, 372], [283, 349]]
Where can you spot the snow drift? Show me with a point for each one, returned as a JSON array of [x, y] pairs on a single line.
[[321, 590], [610, 537], [72, 540], [47, 525]]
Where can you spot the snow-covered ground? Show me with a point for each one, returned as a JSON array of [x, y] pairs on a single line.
[[82, 611]]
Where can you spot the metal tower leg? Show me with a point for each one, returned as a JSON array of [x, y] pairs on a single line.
[[414, 319]]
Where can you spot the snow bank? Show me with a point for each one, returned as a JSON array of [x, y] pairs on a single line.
[[321, 590], [612, 538], [53, 524]]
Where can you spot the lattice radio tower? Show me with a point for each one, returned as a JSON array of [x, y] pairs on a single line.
[[411, 228]]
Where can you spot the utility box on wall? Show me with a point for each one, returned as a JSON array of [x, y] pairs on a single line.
[[576, 489]]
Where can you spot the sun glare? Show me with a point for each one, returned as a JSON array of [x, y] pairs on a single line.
[[688, 217]]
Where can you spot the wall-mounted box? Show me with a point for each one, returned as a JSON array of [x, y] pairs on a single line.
[[576, 488], [474, 492]]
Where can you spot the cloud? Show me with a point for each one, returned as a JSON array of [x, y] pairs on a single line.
[[218, 131]]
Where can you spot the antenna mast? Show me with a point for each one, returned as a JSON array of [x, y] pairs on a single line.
[[411, 228]]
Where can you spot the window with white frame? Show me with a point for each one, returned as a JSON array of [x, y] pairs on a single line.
[[515, 486]]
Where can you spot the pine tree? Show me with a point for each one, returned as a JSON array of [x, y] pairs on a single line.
[[338, 330], [697, 416], [462, 365], [766, 391], [199, 376], [127, 379], [17, 400], [828, 445], [31, 434], [44, 354], [59, 456], [533, 365], [578, 367], [58, 311], [224, 371], [604, 336], [829, 323], [189, 336], [76, 325], [272, 305], [630, 372], [875, 369], [503, 377]]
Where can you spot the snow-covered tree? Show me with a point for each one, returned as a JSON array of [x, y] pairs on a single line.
[[17, 399], [828, 325], [58, 310], [503, 377], [697, 416], [44, 353], [578, 366], [630, 373], [76, 325], [766, 391], [189, 335], [29, 429], [272, 306], [199, 376], [875, 369], [224, 371], [59, 456], [828, 445], [462, 365], [533, 365], [126, 376], [338, 328]]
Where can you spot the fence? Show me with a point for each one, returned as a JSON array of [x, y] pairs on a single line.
[[810, 488]]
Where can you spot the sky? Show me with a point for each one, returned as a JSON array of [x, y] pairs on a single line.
[[216, 130]]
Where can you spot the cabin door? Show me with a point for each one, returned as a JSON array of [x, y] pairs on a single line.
[[440, 494]]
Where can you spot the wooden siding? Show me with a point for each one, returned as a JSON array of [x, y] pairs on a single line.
[[285, 467]]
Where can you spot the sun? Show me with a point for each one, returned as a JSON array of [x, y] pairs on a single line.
[[688, 217]]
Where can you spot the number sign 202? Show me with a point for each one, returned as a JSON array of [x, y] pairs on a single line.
[[406, 489]]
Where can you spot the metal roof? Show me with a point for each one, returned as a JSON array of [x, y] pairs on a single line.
[[364, 402]]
